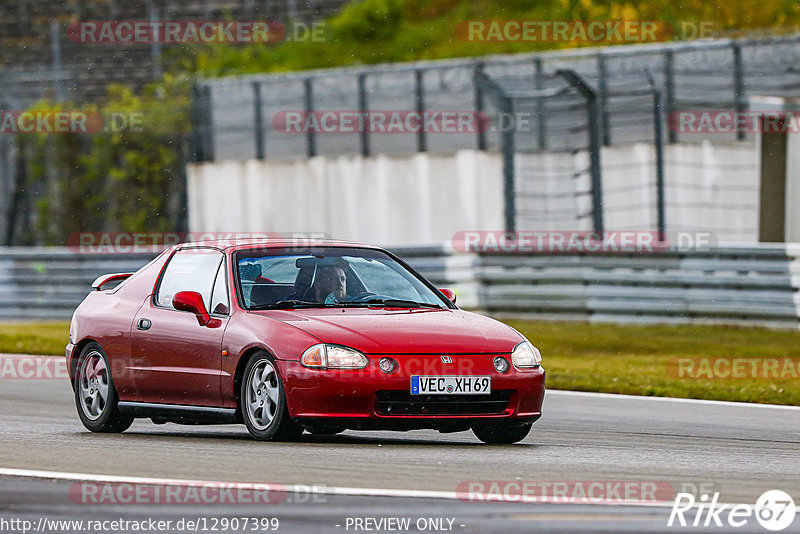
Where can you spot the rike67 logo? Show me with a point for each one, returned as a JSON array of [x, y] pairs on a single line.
[[774, 510]]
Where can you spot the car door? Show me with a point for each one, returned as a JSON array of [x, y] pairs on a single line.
[[175, 360]]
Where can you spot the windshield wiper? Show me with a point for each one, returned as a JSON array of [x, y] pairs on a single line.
[[400, 303], [289, 304]]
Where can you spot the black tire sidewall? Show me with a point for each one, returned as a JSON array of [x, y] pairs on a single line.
[[281, 413], [502, 433], [110, 420]]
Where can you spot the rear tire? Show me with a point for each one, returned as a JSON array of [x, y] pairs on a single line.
[[263, 403], [95, 396], [502, 433]]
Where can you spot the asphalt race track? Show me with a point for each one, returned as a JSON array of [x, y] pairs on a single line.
[[738, 450]]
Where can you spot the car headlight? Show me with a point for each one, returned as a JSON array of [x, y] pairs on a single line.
[[324, 356], [526, 356]]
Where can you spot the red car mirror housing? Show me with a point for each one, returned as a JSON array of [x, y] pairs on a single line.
[[449, 293], [192, 301]]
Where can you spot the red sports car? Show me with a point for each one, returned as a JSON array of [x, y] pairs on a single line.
[[322, 337]]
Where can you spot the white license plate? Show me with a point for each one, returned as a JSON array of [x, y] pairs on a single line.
[[451, 385]]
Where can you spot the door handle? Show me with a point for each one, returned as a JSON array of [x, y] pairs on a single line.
[[144, 324]]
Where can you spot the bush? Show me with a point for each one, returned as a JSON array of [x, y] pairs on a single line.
[[127, 179]]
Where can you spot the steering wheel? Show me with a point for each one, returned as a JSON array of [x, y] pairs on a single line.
[[363, 296]]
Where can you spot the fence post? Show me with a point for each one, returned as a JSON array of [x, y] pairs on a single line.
[[510, 209], [738, 85], [363, 108], [23, 15], [590, 95], [311, 140], [669, 90], [659, 148], [201, 138], [4, 175], [478, 71], [16, 210], [55, 45], [419, 105], [155, 47], [505, 106], [541, 113], [259, 121], [602, 73], [291, 10]]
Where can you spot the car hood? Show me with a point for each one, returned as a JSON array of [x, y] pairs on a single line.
[[395, 331]]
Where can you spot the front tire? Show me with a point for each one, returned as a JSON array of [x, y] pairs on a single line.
[[502, 433], [95, 396], [263, 402], [324, 430]]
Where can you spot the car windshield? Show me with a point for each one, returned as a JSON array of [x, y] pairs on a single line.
[[329, 276]]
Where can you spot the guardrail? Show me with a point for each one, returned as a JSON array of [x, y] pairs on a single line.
[[754, 286]]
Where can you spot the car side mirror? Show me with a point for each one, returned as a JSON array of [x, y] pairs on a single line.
[[192, 301], [449, 293]]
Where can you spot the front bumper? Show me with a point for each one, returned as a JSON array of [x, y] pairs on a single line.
[[69, 352], [369, 398]]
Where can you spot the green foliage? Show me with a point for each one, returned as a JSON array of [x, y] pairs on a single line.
[[126, 177], [375, 31]]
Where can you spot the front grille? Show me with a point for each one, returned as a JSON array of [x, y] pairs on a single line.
[[404, 403]]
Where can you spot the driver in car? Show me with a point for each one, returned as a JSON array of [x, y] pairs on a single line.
[[330, 285]]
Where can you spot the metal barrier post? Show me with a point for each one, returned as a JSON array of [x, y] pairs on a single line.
[[594, 144], [208, 124], [155, 48], [15, 211], [419, 106], [738, 85], [55, 45], [659, 147], [311, 141], [363, 108], [506, 107], [478, 71], [202, 137], [510, 211], [602, 90], [258, 119], [669, 90], [541, 113]]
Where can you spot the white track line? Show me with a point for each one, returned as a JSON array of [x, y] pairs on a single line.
[[281, 488], [620, 396]]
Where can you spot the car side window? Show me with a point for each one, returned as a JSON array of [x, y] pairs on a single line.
[[219, 296], [189, 270]]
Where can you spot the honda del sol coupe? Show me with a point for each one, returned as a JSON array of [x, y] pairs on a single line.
[[284, 339]]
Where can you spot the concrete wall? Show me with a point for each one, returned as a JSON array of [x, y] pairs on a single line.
[[417, 199], [426, 198]]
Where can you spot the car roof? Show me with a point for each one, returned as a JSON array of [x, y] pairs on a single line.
[[242, 243]]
